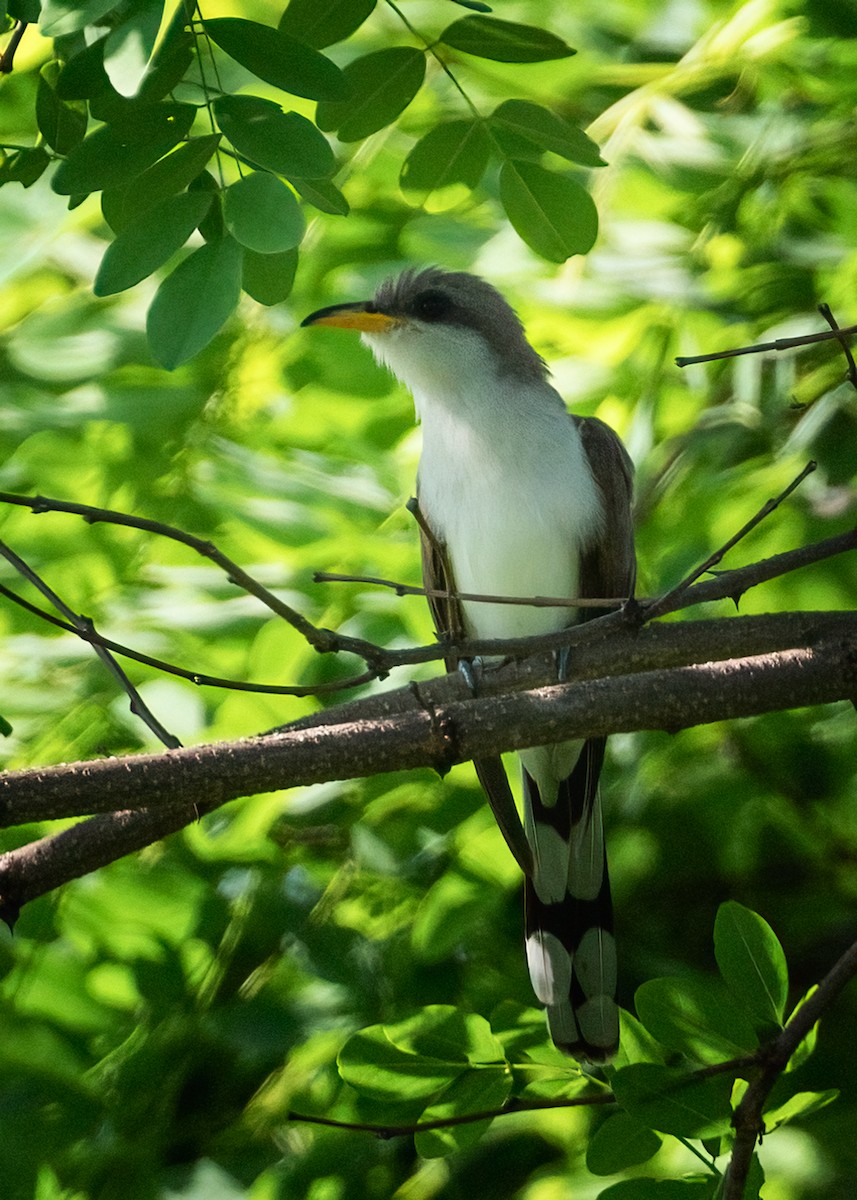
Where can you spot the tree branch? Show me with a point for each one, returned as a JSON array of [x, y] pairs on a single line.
[[437, 728]]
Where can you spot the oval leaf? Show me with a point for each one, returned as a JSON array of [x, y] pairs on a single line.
[[128, 49], [322, 194], [263, 214], [194, 301], [168, 175], [371, 1063], [62, 123], [278, 58], [542, 128], [482, 1089], [59, 17], [83, 76], [454, 152], [620, 1142], [381, 85], [114, 154], [321, 25], [268, 278], [675, 1102], [149, 242], [751, 961], [284, 142], [504, 41], [695, 1018], [553, 214]]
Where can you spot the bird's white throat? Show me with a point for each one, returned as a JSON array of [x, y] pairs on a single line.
[[503, 480]]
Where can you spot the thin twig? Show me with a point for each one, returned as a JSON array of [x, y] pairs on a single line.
[[791, 343], [409, 589], [513, 1106], [660, 606], [7, 58], [84, 628], [824, 309]]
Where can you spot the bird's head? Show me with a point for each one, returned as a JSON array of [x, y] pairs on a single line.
[[438, 329]]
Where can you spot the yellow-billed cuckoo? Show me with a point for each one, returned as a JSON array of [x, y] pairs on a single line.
[[517, 498]]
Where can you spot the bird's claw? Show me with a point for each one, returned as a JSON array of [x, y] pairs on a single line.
[[470, 670]]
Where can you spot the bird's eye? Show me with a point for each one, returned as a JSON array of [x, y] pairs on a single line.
[[432, 306]]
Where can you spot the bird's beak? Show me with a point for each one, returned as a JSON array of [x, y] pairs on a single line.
[[361, 315]]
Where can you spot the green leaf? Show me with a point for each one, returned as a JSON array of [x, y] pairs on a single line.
[[657, 1189], [696, 1018], [672, 1101], [83, 76], [5, 727], [376, 1067], [284, 142], [61, 124], [114, 154], [263, 214], [619, 1143], [800, 1105], [321, 25], [552, 213], [381, 85], [129, 46], [149, 241], [66, 16], [278, 58], [475, 5], [520, 119], [322, 194], [806, 1047], [454, 152], [170, 61], [193, 302], [268, 278], [751, 961], [504, 41], [478, 1089], [168, 175], [23, 166]]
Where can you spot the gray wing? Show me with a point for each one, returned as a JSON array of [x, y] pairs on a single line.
[[608, 564], [449, 622]]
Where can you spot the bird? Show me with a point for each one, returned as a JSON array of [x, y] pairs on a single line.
[[517, 497]]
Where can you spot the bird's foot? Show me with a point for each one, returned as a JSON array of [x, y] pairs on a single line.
[[562, 658], [470, 670]]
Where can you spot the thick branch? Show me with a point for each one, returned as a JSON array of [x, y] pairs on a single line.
[[426, 734]]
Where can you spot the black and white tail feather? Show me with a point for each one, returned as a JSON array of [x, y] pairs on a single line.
[[571, 952]]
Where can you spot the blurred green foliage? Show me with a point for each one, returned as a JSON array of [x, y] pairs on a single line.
[[159, 1019]]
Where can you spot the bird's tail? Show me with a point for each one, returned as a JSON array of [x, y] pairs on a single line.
[[571, 952]]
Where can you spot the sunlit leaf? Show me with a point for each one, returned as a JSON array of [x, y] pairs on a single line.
[[504, 41], [552, 213], [114, 154], [194, 301], [381, 85], [695, 1018], [149, 241], [751, 960], [261, 212], [321, 25], [129, 46], [454, 152], [476, 1090], [284, 142], [277, 58], [372, 1064], [59, 17]]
